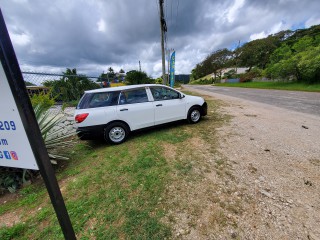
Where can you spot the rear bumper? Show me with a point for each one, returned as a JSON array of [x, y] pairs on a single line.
[[92, 132], [204, 109]]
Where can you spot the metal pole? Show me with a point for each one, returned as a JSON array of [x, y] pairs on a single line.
[[162, 22]]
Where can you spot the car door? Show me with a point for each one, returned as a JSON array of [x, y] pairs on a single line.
[[167, 104], [135, 108]]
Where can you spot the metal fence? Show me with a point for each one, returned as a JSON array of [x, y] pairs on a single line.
[[35, 83], [37, 78]]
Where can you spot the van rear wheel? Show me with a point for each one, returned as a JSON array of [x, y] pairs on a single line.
[[116, 133]]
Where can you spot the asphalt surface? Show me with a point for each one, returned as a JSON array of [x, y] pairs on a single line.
[[304, 102]]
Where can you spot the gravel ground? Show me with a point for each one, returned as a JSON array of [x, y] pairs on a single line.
[[274, 155]]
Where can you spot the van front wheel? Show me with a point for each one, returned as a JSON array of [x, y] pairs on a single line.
[[194, 115]]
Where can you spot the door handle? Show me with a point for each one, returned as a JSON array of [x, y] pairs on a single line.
[[159, 105], [124, 109]]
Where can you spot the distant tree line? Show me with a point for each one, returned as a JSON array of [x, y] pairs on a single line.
[[71, 86], [287, 55]]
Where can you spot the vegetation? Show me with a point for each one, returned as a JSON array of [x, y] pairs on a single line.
[[55, 138], [128, 191], [29, 83], [42, 99], [214, 63], [137, 77], [275, 85], [70, 87], [109, 76], [287, 55], [300, 61]]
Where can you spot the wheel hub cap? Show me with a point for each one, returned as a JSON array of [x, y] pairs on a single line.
[[117, 134]]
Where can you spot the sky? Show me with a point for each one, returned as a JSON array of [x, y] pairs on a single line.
[[93, 35]]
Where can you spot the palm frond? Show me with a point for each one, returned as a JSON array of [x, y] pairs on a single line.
[[53, 134]]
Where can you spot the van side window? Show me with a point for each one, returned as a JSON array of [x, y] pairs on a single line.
[[162, 93], [100, 99], [133, 96]]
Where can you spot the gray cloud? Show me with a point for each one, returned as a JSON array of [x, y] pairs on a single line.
[[92, 35]]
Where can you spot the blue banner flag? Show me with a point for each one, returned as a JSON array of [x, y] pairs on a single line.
[[172, 68]]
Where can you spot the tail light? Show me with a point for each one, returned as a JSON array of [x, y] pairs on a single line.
[[81, 117]]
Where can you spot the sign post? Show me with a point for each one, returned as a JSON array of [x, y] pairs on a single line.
[[21, 143]]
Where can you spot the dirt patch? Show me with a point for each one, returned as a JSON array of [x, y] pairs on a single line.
[[169, 151], [274, 164], [9, 219]]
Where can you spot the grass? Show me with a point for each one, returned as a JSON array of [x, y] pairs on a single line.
[[275, 85], [131, 190]]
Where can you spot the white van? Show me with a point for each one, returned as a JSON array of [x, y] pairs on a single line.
[[114, 112]]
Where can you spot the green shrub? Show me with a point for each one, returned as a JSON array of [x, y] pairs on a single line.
[[44, 99], [202, 81], [249, 76], [13, 178], [230, 74]]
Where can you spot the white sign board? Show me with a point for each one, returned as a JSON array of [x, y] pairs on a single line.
[[15, 149]]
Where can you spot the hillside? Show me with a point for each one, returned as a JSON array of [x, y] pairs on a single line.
[[287, 55]]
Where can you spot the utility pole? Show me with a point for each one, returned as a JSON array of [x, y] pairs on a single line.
[[163, 28], [139, 66]]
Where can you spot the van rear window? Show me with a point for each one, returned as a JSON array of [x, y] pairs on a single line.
[[99, 99]]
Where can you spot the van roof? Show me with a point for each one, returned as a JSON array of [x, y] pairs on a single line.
[[120, 88]]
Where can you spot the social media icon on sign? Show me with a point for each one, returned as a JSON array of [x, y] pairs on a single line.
[[14, 155], [7, 154]]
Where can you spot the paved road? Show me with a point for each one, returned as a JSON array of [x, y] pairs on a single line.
[[304, 102]]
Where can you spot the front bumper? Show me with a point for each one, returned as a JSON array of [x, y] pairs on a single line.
[[204, 109]]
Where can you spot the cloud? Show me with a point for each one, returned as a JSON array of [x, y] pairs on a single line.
[[274, 29], [232, 12], [312, 21], [92, 35], [101, 25], [20, 39]]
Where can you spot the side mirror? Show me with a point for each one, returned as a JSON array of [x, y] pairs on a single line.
[[181, 96]]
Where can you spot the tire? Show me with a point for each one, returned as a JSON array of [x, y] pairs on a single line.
[[194, 115], [116, 133]]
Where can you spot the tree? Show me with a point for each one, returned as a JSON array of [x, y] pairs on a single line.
[[219, 60], [71, 86], [282, 53], [300, 60], [111, 73], [309, 65], [257, 52], [29, 83], [303, 44], [213, 63], [137, 77]]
